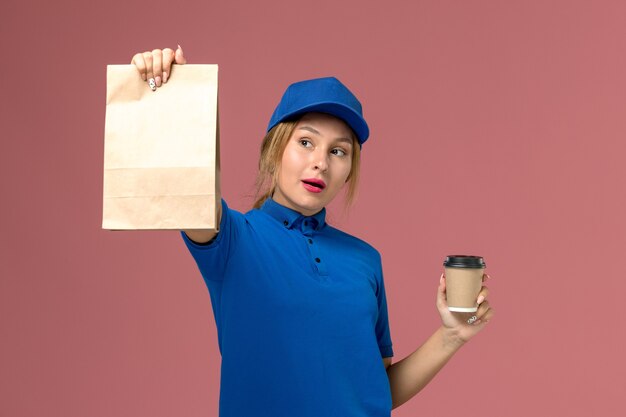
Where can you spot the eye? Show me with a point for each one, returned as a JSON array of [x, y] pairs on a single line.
[[338, 152], [305, 142]]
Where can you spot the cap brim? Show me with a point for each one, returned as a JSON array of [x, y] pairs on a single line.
[[341, 111]]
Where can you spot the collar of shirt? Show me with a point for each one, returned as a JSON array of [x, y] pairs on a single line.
[[291, 218]]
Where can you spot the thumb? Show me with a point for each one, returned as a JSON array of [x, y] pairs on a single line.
[[441, 292], [179, 57]]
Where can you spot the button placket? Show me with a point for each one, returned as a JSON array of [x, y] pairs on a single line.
[[307, 228], [316, 256]]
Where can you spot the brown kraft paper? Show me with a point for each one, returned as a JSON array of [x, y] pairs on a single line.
[[462, 288], [161, 150]]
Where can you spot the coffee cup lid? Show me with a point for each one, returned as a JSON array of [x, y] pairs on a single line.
[[464, 261]]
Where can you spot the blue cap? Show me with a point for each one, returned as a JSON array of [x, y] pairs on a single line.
[[324, 95]]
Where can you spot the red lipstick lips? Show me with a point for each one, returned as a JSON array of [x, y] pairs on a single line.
[[314, 185]]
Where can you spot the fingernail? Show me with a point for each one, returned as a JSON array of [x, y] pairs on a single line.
[[180, 47], [164, 76], [152, 84], [480, 299], [441, 278], [158, 81], [143, 77]]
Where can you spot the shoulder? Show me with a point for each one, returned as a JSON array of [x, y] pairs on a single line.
[[233, 215], [354, 243], [255, 217]]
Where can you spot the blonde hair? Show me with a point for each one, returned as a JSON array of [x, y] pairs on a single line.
[[272, 149]]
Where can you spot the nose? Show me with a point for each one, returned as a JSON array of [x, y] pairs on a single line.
[[320, 160]]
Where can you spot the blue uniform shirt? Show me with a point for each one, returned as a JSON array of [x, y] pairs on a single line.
[[301, 316]]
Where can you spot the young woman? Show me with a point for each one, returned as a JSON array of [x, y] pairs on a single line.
[[300, 306]]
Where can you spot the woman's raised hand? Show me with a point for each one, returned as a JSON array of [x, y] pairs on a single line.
[[154, 67], [462, 325]]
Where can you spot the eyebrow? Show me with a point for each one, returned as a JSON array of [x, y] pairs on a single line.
[[313, 130]]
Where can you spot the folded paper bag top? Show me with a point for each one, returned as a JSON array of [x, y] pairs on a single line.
[[161, 150]]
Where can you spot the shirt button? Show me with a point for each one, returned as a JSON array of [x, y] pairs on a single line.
[[317, 260], [285, 222], [311, 241]]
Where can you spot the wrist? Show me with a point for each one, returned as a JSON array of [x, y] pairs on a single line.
[[451, 338]]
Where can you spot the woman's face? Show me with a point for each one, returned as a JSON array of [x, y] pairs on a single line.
[[315, 164]]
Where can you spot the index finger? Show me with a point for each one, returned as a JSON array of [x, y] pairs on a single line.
[[140, 63], [168, 57]]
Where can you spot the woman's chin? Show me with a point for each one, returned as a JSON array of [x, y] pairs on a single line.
[[310, 206]]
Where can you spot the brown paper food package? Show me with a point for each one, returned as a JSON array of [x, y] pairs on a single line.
[[161, 150]]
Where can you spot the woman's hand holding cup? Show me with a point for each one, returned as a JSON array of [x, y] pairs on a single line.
[[466, 318], [155, 66]]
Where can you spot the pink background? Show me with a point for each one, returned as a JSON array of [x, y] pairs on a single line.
[[498, 129]]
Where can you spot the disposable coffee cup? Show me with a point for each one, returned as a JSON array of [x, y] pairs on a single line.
[[464, 279]]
